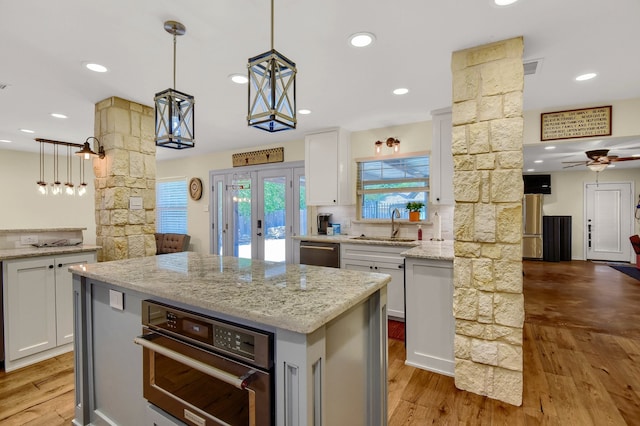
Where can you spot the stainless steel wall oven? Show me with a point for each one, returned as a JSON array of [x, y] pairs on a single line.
[[206, 371]]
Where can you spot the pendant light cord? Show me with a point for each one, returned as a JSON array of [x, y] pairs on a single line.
[[271, 24]]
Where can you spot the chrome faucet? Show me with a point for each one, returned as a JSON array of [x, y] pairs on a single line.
[[394, 231]]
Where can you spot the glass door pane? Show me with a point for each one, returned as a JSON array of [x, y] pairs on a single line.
[[242, 216], [272, 205]]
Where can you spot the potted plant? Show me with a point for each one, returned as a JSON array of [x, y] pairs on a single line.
[[414, 208]]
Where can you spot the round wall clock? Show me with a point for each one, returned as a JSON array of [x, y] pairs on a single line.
[[195, 188]]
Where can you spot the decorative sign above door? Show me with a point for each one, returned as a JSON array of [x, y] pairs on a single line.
[[264, 156], [576, 123]]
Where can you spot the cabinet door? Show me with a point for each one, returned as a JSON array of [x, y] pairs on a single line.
[[64, 296], [30, 311], [442, 159], [321, 168], [395, 288]]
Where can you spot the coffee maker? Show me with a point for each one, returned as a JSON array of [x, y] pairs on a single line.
[[323, 223]]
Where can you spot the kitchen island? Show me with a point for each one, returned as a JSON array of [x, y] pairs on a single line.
[[329, 330]]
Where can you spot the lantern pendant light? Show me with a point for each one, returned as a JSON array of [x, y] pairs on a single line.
[[174, 109], [272, 90]]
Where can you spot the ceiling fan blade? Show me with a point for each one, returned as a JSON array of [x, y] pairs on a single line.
[[583, 163], [625, 158]]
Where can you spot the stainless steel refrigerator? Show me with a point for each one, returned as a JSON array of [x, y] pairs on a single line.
[[532, 226]]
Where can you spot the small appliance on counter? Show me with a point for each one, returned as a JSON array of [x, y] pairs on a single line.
[[323, 223]]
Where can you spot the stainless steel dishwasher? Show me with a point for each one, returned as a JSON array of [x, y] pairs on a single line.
[[320, 254]]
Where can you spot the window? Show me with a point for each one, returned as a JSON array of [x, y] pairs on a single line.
[[384, 185], [171, 206]]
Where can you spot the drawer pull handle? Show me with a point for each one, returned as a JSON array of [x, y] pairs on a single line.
[[317, 248]]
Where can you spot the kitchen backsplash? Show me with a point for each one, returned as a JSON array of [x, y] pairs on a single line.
[[345, 216]]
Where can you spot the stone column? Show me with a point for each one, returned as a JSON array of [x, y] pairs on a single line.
[[488, 303], [126, 131]]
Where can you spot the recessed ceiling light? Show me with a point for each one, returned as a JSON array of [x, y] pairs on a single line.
[[361, 39], [538, 161], [531, 170], [96, 67], [5, 141], [239, 78], [504, 2], [27, 131], [401, 91], [549, 147], [304, 111], [57, 115], [585, 77]]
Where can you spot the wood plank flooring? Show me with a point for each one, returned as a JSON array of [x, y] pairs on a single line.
[[581, 363]]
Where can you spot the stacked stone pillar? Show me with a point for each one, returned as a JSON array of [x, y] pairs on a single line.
[[126, 131], [487, 149]]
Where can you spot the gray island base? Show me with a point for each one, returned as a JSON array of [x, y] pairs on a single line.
[[328, 325]]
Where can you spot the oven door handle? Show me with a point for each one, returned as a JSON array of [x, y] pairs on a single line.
[[241, 383], [317, 248]]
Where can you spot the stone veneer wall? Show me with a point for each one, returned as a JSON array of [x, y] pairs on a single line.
[[488, 302], [126, 131]]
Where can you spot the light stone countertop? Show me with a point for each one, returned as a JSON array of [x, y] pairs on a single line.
[[32, 230], [437, 250], [351, 239], [425, 249], [299, 298], [8, 254]]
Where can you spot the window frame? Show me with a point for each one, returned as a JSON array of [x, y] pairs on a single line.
[[360, 191], [179, 208]]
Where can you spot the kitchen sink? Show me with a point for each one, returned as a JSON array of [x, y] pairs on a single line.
[[398, 239]]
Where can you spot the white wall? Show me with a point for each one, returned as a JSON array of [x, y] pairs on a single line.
[[566, 199], [22, 207]]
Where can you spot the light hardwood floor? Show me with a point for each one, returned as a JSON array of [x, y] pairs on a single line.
[[581, 363]]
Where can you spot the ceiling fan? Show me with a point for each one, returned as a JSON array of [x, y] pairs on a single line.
[[599, 159]]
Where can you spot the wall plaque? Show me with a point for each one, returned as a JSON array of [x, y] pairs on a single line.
[[264, 156], [575, 123]]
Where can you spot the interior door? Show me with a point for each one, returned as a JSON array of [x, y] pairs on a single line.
[[608, 221]]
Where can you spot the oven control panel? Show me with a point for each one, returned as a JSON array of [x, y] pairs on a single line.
[[231, 338], [234, 341]]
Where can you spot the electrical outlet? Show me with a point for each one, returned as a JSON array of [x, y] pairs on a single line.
[[28, 239]]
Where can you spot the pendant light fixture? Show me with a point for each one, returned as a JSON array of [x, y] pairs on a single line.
[[174, 109], [82, 188], [272, 90], [56, 186], [70, 188], [43, 188]]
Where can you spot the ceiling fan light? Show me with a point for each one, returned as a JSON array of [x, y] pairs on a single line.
[[597, 167]]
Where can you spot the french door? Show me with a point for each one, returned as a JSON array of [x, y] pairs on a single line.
[[255, 211]]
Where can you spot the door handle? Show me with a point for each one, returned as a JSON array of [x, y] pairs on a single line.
[[259, 234]]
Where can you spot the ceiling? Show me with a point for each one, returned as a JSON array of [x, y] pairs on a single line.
[[45, 43]]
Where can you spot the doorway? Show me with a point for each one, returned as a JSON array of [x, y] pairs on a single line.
[[608, 221], [255, 210]]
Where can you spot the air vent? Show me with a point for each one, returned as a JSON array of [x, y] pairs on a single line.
[[532, 67]]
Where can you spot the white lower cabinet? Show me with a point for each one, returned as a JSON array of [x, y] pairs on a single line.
[[38, 307], [430, 326], [382, 259]]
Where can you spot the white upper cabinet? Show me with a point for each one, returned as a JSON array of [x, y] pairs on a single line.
[[441, 177], [327, 168]]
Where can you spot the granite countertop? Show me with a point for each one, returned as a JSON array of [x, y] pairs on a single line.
[[437, 250], [351, 239], [7, 254], [426, 249], [299, 298]]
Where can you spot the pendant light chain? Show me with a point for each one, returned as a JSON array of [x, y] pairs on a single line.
[[272, 26], [174, 61]]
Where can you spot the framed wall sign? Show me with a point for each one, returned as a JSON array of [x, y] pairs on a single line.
[[264, 156], [575, 123]]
